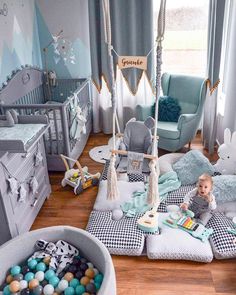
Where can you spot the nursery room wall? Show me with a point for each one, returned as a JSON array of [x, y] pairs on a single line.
[[71, 57], [19, 43]]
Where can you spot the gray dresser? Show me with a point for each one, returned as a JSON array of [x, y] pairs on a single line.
[[19, 210]]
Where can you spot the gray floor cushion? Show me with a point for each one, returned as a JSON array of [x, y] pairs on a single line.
[[121, 237], [176, 244], [221, 241]]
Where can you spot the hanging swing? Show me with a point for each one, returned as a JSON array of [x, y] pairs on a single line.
[[112, 188]]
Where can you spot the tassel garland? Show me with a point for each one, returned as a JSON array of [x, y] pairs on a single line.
[[153, 193], [112, 189]]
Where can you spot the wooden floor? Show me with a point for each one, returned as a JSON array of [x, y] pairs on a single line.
[[137, 275]]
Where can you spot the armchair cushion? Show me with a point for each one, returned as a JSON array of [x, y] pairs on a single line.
[[168, 130], [168, 109]]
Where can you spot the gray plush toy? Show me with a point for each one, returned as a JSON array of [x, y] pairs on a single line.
[[10, 119]]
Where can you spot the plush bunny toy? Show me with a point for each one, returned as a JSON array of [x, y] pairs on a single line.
[[226, 163]]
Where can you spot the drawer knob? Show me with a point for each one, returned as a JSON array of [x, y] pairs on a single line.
[[35, 202]]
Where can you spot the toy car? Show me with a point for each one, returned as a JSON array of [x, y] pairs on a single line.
[[80, 178]]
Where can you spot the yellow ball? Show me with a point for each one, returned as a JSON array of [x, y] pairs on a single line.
[[90, 273], [47, 260], [33, 283], [84, 281], [14, 286], [9, 279], [75, 174], [68, 276]]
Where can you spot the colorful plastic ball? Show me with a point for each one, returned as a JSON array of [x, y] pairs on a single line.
[[47, 260], [14, 286], [97, 285], [38, 290], [76, 261], [44, 283], [49, 274], [9, 279], [79, 290], [25, 291], [72, 268], [86, 293], [18, 277], [25, 269], [29, 276], [39, 275], [74, 283], [95, 271], [55, 293], [32, 263], [6, 290], [84, 281], [90, 265], [15, 270], [98, 278], [54, 281], [23, 284], [89, 273], [83, 260], [33, 283], [83, 266], [79, 274], [48, 289], [68, 276], [91, 288], [63, 284], [41, 266], [69, 291]]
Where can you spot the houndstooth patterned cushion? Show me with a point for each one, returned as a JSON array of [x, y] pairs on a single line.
[[221, 240], [105, 170], [121, 237], [135, 177], [177, 197], [162, 207]]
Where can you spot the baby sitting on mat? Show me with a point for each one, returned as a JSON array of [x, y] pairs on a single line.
[[200, 200]]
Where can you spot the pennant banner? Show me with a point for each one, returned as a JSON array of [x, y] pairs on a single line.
[[139, 62]]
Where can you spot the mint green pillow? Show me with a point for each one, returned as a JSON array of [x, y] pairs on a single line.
[[191, 166]]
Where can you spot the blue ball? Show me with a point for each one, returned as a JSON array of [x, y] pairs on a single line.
[[32, 263], [54, 281], [79, 290], [15, 270], [41, 266], [29, 276], [98, 278], [69, 291], [49, 274], [6, 290], [97, 285], [74, 283]]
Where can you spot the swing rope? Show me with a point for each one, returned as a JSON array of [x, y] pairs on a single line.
[[112, 189]]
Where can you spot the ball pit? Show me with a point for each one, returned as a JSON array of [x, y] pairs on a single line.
[[91, 272]]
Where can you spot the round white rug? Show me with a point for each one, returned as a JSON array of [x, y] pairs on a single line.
[[100, 153]]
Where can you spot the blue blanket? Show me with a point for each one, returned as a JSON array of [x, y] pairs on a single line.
[[168, 182]]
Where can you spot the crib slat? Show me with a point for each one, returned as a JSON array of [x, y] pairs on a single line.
[[56, 129]]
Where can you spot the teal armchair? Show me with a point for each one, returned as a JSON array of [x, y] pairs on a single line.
[[190, 92]]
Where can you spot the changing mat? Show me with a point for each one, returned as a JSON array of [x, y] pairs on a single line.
[[20, 136]]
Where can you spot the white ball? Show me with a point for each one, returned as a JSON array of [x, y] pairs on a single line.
[[95, 271], [23, 284], [39, 276], [48, 289], [63, 284], [90, 265]]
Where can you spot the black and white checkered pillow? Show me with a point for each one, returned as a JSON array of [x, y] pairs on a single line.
[[121, 237], [162, 207], [136, 177], [105, 170], [177, 197], [221, 240]]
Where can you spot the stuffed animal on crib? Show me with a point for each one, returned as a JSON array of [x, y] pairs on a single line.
[[226, 163], [52, 76]]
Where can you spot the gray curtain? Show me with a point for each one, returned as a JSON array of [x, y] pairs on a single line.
[[215, 31], [132, 34]]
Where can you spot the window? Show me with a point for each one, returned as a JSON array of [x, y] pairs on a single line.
[[185, 43]]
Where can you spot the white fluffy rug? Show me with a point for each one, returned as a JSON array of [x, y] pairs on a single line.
[[100, 153]]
